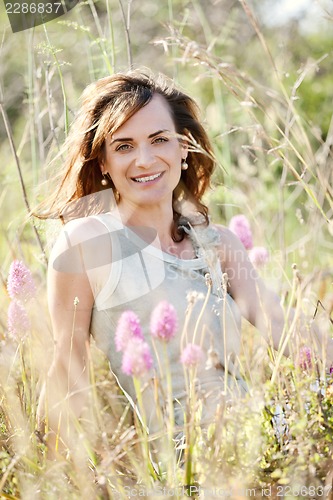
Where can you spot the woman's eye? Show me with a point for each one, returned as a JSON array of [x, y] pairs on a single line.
[[123, 147], [160, 139]]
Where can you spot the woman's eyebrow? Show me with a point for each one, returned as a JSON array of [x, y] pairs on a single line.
[[157, 133], [129, 139]]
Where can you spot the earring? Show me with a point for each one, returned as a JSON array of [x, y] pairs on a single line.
[[104, 181], [184, 165]]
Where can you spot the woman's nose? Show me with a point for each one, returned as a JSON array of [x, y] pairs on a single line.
[[145, 157]]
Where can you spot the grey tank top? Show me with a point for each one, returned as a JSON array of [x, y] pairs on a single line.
[[142, 275]]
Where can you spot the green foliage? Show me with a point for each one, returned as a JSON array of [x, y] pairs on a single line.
[[265, 93]]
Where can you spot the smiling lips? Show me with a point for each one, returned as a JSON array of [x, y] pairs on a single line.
[[147, 178]]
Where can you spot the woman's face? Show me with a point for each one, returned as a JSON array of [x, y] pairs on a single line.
[[143, 157]]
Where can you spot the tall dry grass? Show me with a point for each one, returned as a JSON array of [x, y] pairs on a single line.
[[278, 437]]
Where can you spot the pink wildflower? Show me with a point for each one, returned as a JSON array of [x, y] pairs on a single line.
[[258, 256], [163, 323], [305, 359], [128, 327], [192, 355], [20, 284], [137, 358], [240, 226], [18, 320]]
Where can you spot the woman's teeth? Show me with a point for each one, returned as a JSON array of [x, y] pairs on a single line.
[[148, 178]]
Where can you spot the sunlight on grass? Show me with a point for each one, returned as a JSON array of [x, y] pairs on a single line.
[[275, 165]]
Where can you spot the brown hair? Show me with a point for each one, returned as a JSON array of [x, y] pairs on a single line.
[[106, 105]]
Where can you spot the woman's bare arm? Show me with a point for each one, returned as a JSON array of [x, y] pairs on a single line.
[[260, 305], [70, 300]]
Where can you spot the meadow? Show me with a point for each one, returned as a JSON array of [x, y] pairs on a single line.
[[265, 94]]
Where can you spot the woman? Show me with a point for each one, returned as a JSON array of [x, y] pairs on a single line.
[[138, 143]]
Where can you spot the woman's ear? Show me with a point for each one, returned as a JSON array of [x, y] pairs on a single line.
[[101, 162]]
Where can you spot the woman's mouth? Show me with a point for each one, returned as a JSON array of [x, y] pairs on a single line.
[[147, 178]]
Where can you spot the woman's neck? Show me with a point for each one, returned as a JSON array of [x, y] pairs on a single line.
[[159, 223], [158, 218]]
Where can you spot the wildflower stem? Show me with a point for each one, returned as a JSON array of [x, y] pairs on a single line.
[[186, 322], [224, 320], [189, 427], [287, 332], [93, 386], [100, 41], [171, 415], [76, 301], [126, 23], [62, 83], [144, 433], [18, 166], [160, 366], [204, 305], [110, 22]]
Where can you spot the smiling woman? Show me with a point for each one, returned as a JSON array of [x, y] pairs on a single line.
[[143, 158], [104, 117], [138, 147]]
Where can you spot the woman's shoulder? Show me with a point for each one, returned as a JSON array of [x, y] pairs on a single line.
[[84, 228], [79, 234], [227, 240], [225, 235]]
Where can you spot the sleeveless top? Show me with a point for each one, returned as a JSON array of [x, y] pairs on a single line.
[[140, 276]]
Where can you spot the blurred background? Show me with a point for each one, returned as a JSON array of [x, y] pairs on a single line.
[[261, 72]]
